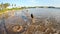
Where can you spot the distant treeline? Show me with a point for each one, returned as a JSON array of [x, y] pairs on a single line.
[[42, 7]]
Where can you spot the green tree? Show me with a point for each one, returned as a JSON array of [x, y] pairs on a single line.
[[12, 5], [6, 5]]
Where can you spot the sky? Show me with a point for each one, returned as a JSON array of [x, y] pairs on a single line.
[[55, 3]]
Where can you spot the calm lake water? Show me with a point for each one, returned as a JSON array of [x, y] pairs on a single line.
[[41, 12]]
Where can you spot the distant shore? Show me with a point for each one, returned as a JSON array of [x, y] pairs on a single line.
[[7, 9]]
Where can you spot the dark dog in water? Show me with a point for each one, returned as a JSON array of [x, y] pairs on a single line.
[[32, 16], [33, 20]]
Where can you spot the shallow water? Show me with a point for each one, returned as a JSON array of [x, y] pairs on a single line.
[[42, 16], [41, 12]]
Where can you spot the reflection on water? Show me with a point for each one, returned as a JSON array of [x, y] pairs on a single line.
[[47, 20]]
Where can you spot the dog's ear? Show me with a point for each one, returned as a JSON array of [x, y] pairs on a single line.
[[17, 28]]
